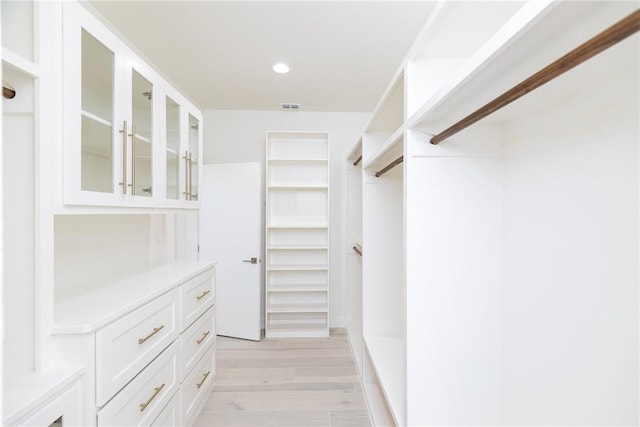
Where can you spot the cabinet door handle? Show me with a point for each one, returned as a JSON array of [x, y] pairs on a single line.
[[187, 174], [123, 131], [204, 378], [133, 159], [203, 337], [156, 390], [202, 295], [155, 331]]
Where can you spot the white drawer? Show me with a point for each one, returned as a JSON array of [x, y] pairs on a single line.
[[170, 415], [195, 390], [196, 296], [195, 341], [142, 400], [126, 346]]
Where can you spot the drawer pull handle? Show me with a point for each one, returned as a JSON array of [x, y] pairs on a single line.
[[202, 295], [155, 331], [203, 337], [156, 390], [204, 378]]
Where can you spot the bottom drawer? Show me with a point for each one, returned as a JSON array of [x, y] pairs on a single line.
[[170, 415], [197, 387], [140, 402]]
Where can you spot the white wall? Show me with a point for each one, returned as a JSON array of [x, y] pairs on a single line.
[[239, 136]]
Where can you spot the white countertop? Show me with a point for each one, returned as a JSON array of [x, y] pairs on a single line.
[[88, 309]]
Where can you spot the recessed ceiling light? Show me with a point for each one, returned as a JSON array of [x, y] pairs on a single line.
[[281, 68]]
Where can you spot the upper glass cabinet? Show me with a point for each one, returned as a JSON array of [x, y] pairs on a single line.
[[96, 115], [126, 129]]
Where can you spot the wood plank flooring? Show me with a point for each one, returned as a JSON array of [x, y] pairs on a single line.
[[285, 382]]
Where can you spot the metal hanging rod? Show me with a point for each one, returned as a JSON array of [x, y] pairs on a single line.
[[390, 166], [358, 160], [8, 93], [357, 250], [607, 38]]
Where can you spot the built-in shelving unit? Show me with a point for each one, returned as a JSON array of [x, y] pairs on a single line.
[[297, 217], [465, 244]]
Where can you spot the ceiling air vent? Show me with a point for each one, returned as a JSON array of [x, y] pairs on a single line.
[[289, 106]]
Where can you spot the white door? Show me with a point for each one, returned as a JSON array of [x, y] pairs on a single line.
[[231, 234]]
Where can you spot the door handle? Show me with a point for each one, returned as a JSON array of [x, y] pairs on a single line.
[[252, 260]]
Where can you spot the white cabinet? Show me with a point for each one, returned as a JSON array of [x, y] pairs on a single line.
[[126, 129], [493, 273], [297, 217], [137, 349]]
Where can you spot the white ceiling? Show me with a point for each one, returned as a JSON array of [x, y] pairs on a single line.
[[342, 54]]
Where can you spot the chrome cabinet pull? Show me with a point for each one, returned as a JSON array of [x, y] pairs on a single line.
[[202, 295], [204, 378], [123, 131], [155, 331], [203, 337], [156, 390]]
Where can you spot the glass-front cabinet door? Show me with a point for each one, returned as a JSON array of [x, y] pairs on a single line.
[[141, 136], [172, 149], [97, 115], [94, 118]]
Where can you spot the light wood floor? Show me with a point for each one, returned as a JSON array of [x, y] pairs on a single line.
[[286, 382]]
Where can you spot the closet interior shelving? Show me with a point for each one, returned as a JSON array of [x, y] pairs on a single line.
[[443, 241]]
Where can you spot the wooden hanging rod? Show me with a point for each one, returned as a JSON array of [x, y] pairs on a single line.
[[358, 160], [357, 250], [609, 37], [390, 166], [8, 93]]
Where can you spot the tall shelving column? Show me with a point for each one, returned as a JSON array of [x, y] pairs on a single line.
[[297, 234]]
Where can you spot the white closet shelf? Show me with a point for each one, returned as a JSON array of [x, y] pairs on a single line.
[[297, 187], [142, 138], [298, 288], [297, 247], [391, 150], [20, 63], [355, 155], [292, 161], [298, 226], [297, 308], [87, 308], [96, 118], [297, 267], [388, 115], [507, 55], [300, 330], [387, 355]]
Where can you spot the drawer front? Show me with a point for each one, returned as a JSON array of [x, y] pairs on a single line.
[[142, 400], [195, 341], [196, 296], [195, 390], [126, 346], [170, 415]]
